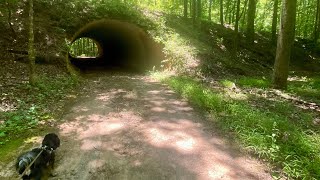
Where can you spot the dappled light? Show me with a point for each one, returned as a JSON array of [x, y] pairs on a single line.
[[154, 89], [135, 121]]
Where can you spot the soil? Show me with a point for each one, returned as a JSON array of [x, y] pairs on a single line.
[[128, 126]]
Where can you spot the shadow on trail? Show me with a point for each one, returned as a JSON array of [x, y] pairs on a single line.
[[129, 127]]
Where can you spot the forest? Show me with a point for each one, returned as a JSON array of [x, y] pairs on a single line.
[[141, 88]]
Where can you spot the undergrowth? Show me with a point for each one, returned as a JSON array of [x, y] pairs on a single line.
[[307, 88], [35, 106], [290, 145]]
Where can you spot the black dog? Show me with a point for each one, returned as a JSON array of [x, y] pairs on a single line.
[[50, 143]]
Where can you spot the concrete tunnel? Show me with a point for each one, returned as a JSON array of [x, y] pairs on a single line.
[[120, 44]]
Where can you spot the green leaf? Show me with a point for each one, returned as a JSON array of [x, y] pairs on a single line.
[[2, 134]]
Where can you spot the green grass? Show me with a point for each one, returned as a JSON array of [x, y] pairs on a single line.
[[254, 82], [306, 88], [269, 133]]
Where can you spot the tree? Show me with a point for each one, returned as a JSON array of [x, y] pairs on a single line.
[[317, 23], [194, 11], [274, 21], [199, 9], [185, 8], [9, 7], [221, 12], [210, 7], [250, 23], [236, 28], [285, 43], [31, 50]]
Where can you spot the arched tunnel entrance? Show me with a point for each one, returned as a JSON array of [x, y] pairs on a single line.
[[120, 44]]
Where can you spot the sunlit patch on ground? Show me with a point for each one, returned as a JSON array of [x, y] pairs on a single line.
[[151, 132], [88, 144], [97, 163], [36, 139]]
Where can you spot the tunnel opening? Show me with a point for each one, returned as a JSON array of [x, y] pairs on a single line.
[[84, 48], [118, 45]]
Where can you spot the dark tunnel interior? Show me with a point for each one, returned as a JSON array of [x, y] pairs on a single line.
[[121, 45]]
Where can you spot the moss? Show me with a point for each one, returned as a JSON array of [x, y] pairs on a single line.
[[9, 149]]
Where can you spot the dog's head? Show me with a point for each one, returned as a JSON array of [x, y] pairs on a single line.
[[51, 140]]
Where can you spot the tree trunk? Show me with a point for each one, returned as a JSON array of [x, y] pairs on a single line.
[[236, 28], [31, 51], [243, 14], [10, 19], [227, 10], [199, 9], [221, 12], [185, 8], [274, 21], [234, 11], [250, 23], [285, 43], [316, 24], [210, 7], [194, 11]]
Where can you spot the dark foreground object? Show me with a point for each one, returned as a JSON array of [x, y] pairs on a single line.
[[43, 163]]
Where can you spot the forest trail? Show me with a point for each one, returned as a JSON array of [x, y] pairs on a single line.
[[129, 127]]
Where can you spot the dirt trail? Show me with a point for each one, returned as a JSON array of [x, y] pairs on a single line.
[[129, 127]]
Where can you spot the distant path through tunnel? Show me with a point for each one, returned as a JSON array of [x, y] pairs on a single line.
[[120, 44]]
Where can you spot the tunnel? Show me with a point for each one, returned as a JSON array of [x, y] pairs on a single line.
[[120, 45]]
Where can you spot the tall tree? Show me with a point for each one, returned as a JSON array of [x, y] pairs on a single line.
[[9, 7], [274, 21], [236, 28], [210, 8], [194, 11], [31, 50], [317, 22], [199, 9], [185, 8], [285, 43], [250, 23], [221, 12]]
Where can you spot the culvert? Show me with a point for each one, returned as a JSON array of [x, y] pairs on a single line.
[[121, 44]]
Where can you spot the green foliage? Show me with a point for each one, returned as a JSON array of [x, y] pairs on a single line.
[[34, 108], [227, 83], [21, 120], [306, 87], [84, 47], [254, 82], [293, 146]]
